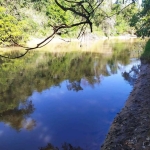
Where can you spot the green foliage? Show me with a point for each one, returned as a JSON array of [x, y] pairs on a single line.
[[122, 25], [24, 18], [10, 28], [123, 19], [57, 15], [141, 20], [118, 23], [146, 54]]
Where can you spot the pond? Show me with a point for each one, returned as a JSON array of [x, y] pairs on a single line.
[[65, 99]]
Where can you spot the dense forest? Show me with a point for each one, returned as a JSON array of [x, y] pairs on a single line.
[[21, 19]]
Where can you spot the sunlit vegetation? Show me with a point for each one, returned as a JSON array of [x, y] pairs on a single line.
[[146, 54], [21, 19], [11, 29], [141, 20]]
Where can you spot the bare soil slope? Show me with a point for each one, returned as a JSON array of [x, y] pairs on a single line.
[[130, 129]]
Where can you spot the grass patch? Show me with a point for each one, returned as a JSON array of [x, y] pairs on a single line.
[[146, 54]]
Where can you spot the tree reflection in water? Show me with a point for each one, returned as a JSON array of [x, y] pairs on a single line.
[[19, 118], [39, 71], [75, 86], [65, 146], [132, 75]]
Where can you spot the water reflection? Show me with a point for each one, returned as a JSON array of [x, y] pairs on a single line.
[[64, 97], [132, 74], [75, 86], [19, 118], [65, 146]]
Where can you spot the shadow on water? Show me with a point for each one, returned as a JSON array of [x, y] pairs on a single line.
[[39, 71]]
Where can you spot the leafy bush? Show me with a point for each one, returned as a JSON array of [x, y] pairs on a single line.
[[11, 29]]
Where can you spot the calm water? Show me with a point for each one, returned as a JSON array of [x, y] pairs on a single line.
[[64, 99]]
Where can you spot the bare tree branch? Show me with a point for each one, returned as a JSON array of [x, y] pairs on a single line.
[[15, 56]]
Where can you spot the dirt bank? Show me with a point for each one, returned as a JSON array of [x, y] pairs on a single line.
[[130, 129]]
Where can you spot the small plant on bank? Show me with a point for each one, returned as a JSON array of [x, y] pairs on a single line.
[[146, 54]]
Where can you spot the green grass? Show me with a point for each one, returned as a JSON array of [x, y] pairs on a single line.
[[146, 54]]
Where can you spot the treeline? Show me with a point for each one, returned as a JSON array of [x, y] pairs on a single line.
[[21, 19]]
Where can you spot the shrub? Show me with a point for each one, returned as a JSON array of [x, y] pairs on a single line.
[[11, 29]]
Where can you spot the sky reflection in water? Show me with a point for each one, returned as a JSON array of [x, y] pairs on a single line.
[[75, 112]]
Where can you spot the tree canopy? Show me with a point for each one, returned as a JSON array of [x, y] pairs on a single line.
[[141, 20], [24, 18]]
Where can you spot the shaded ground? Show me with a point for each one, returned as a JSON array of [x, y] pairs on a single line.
[[130, 129]]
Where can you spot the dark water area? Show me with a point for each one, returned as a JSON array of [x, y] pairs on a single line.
[[64, 100]]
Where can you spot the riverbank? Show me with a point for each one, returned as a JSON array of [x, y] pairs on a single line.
[[55, 44], [130, 129], [89, 37], [82, 44]]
